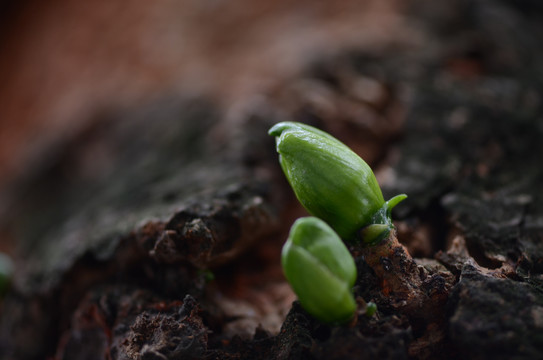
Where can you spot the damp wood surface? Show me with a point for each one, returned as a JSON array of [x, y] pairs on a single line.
[[168, 246]]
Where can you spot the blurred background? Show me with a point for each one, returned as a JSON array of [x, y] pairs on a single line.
[[65, 62], [66, 66]]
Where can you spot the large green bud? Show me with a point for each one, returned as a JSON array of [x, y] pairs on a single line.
[[333, 183], [320, 270]]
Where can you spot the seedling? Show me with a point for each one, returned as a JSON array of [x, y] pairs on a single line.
[[320, 270], [333, 183], [371, 309], [336, 185]]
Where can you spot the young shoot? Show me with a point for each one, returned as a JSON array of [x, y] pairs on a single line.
[[320, 270], [333, 183]]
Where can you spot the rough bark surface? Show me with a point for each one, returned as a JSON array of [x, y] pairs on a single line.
[[118, 261]]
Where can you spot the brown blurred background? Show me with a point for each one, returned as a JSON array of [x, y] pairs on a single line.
[[63, 62]]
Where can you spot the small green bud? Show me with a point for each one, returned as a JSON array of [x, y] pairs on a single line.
[[207, 275], [333, 183], [371, 309], [320, 270]]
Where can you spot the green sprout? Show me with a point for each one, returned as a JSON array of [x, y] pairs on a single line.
[[371, 309], [320, 270], [337, 187], [333, 183]]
